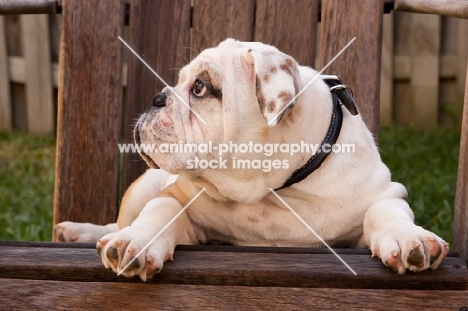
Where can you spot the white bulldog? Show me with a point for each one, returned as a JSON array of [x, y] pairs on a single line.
[[245, 93]]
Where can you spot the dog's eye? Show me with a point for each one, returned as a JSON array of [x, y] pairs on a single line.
[[199, 88]]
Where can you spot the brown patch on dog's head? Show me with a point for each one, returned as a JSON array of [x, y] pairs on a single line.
[[271, 106], [285, 96]]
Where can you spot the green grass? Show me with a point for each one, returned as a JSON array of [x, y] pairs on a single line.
[[26, 187], [424, 161]]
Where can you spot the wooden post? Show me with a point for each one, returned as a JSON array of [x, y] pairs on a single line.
[[6, 122], [89, 111], [359, 66], [386, 72], [160, 33], [38, 66], [424, 44], [460, 217]]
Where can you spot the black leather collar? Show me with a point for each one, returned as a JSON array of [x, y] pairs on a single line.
[[339, 94]]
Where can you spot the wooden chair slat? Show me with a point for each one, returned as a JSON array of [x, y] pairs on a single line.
[[29, 294], [270, 267], [291, 26], [160, 34], [6, 122], [460, 216], [89, 111], [39, 88], [359, 65]]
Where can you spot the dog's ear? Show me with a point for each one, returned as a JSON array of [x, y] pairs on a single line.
[[276, 82]]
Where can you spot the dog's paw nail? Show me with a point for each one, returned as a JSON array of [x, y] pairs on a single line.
[[102, 243], [131, 251], [151, 267], [169, 256]]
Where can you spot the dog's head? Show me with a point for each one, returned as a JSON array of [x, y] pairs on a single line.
[[234, 92]]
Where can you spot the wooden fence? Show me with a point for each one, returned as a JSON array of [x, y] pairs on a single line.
[[422, 78]]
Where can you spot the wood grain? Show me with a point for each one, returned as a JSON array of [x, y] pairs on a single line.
[[89, 111], [359, 65], [386, 72], [424, 43], [462, 59], [215, 21], [233, 266], [159, 33], [38, 65], [291, 26], [460, 216], [6, 122], [30, 294], [454, 8]]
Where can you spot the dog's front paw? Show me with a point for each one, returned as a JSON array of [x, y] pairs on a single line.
[[68, 231], [129, 254], [408, 247]]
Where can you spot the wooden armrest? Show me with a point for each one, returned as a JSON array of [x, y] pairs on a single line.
[[453, 8]]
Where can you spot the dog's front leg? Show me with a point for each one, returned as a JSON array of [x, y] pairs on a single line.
[[120, 248], [391, 234]]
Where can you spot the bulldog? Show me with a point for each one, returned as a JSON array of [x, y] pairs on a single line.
[[251, 93]]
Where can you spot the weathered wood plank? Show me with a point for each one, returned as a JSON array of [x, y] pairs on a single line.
[[56, 295], [359, 65], [386, 72], [37, 59], [160, 33], [233, 266], [460, 216], [401, 89], [89, 111], [290, 26], [28, 6], [424, 42], [462, 57], [6, 122], [215, 21]]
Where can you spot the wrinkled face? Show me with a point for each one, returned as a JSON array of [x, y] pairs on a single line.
[[234, 92]]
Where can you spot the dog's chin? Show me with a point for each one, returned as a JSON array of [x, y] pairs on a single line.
[[144, 156]]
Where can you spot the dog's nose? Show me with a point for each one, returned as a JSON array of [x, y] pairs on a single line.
[[159, 100]]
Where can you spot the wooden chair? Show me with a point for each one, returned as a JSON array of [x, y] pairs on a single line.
[[90, 177]]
